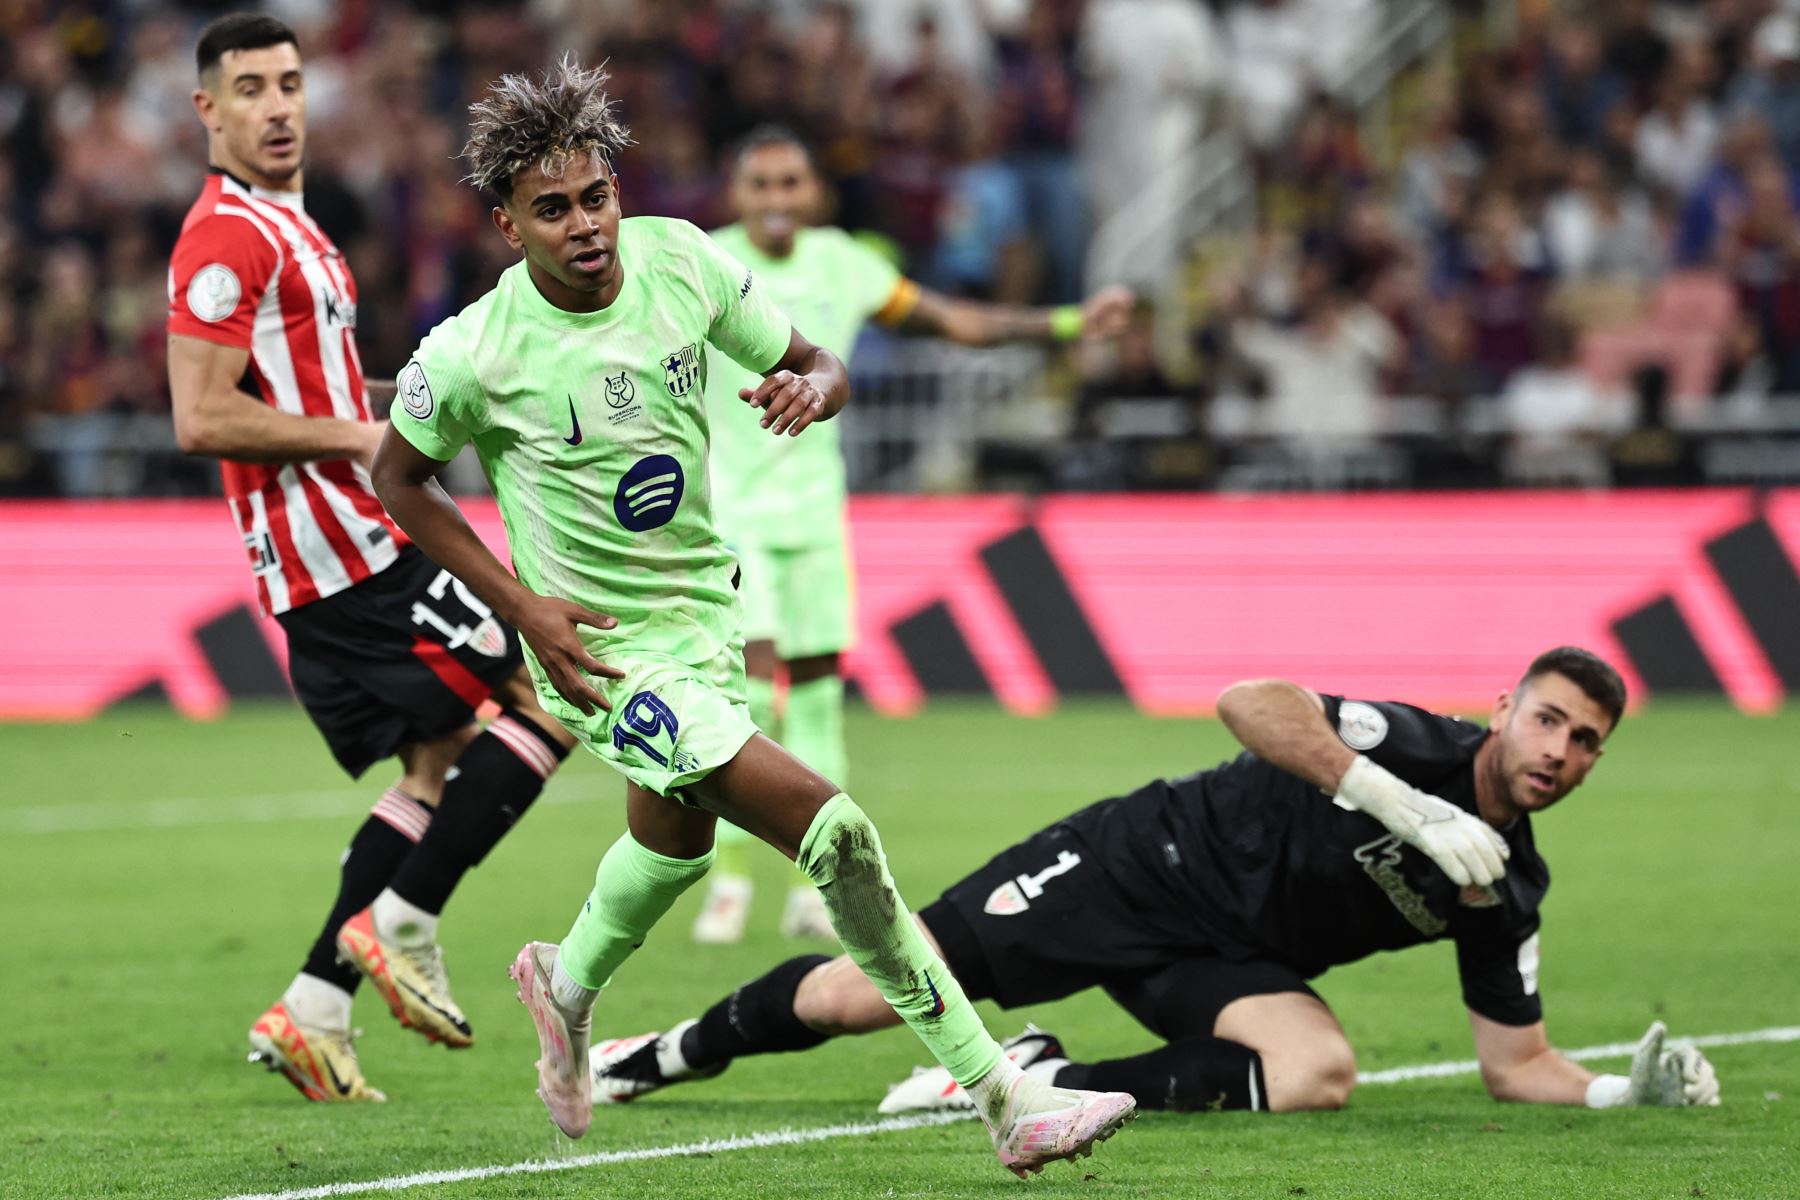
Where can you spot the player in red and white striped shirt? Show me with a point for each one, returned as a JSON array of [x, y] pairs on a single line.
[[262, 280], [389, 654]]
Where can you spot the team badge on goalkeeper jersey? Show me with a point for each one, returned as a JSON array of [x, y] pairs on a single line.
[[1006, 900]]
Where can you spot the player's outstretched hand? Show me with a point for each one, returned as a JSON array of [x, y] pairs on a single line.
[[1107, 312], [548, 627], [1463, 845], [789, 402], [1674, 1077]]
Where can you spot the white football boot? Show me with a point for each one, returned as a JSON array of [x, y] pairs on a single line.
[[804, 915], [625, 1068], [1037, 1123], [726, 911], [928, 1089]]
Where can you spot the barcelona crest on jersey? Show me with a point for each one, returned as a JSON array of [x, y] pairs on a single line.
[[681, 370]]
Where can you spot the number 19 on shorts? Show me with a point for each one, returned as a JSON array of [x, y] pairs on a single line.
[[649, 726]]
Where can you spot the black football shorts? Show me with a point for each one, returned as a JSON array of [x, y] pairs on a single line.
[[1043, 920], [407, 655]]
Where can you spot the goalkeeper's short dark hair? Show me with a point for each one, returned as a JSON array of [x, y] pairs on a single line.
[[1587, 671]]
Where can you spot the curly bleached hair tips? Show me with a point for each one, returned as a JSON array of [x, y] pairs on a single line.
[[544, 121]]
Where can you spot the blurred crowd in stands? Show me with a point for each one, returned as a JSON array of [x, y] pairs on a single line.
[[1579, 233], [1588, 229]]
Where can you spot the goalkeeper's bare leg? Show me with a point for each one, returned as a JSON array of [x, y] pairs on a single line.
[[1277, 1051]]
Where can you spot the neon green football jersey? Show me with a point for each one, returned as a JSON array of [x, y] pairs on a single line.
[[593, 433], [786, 493]]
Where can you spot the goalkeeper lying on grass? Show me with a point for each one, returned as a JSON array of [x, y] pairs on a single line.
[[1203, 905]]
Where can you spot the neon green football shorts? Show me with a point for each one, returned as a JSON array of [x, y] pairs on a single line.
[[671, 724], [800, 599]]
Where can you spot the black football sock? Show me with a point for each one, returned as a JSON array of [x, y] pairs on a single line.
[[758, 1018], [394, 827], [495, 779], [1202, 1074]]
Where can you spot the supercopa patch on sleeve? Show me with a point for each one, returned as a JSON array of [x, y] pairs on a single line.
[[415, 392], [1362, 726], [213, 292]]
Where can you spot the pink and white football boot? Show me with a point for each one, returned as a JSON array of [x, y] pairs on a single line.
[[562, 1041]]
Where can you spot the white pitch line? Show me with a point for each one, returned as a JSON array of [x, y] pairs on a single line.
[[182, 812], [825, 1133], [1784, 1033], [195, 811], [539, 1166]]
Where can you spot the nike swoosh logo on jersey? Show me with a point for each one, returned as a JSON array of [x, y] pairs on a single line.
[[574, 439]]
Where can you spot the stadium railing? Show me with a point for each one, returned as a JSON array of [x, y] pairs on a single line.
[[1211, 189], [925, 413]]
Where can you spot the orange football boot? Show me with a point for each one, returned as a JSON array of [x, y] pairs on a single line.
[[320, 1062], [410, 979]]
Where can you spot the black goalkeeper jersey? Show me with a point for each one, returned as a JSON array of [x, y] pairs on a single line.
[[1256, 863]]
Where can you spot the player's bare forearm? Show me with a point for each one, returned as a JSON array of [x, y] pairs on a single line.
[[809, 384], [1284, 725], [975, 323], [1519, 1066], [406, 481], [214, 418], [831, 378], [971, 323], [1547, 1079], [238, 426], [823, 369]]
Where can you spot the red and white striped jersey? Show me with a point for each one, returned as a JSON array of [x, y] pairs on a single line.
[[252, 270]]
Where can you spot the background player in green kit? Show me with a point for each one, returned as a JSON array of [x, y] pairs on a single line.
[[578, 380], [780, 504]]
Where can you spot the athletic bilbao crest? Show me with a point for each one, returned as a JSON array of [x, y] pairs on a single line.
[[488, 639], [1006, 900], [681, 370]]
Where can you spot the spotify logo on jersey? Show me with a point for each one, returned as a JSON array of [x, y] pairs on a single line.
[[649, 493]]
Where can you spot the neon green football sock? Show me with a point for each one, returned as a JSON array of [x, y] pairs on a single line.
[[842, 855], [633, 888], [759, 695], [814, 727], [731, 850]]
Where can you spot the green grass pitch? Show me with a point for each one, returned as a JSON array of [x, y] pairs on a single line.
[[160, 880]]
